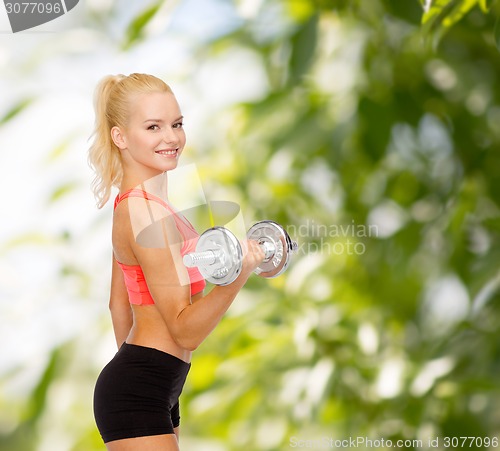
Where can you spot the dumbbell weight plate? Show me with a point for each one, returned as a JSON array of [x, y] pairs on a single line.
[[274, 234], [226, 270]]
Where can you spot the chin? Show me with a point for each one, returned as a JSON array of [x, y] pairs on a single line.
[[171, 166]]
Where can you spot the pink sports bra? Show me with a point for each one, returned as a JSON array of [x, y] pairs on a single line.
[[137, 288]]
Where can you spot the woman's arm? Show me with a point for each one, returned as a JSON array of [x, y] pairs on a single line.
[[168, 282], [119, 306]]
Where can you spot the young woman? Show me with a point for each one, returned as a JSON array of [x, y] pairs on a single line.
[[158, 309]]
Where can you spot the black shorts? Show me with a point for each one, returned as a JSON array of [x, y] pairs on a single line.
[[137, 393]]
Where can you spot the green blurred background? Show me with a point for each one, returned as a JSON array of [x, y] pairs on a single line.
[[369, 128]]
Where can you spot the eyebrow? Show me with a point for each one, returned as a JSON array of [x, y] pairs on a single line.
[[161, 120]]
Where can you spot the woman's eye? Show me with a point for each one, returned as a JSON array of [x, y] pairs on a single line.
[[178, 125], [153, 127]]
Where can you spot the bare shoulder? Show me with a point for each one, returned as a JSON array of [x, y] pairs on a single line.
[[147, 223]]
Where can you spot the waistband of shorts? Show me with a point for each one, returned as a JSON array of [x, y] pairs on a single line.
[[153, 354]]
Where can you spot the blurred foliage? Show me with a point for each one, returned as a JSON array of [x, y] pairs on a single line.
[[135, 30], [14, 111], [381, 155], [364, 121]]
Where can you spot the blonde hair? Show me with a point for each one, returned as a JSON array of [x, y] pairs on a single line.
[[111, 104]]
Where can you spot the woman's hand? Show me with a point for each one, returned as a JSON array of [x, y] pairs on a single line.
[[253, 257]]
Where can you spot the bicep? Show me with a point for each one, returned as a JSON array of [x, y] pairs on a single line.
[[164, 271]]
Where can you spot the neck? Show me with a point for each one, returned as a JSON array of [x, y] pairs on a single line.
[[157, 185]]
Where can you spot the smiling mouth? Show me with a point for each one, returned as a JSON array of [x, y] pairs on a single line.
[[167, 152]]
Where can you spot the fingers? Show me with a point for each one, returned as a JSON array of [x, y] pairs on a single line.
[[254, 255], [257, 250]]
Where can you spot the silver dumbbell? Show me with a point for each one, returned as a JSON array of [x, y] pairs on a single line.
[[219, 256]]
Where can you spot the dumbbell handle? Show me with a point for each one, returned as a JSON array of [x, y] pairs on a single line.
[[211, 256], [269, 249], [203, 258]]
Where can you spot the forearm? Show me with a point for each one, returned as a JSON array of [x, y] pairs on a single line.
[[196, 321], [121, 317]]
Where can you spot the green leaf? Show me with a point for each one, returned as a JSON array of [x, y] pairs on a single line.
[[459, 12], [442, 15], [15, 110], [39, 395], [61, 191], [483, 4], [497, 34], [436, 9], [27, 239], [303, 49], [58, 151], [135, 30]]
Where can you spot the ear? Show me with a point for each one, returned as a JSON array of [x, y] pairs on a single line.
[[118, 138]]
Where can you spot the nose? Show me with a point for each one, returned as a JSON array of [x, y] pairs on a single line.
[[170, 136]]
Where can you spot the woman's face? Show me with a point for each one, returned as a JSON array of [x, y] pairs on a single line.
[[154, 138]]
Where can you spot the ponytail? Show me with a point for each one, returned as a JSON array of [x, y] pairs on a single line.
[[104, 156]]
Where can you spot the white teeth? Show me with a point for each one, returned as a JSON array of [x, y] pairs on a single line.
[[167, 152]]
